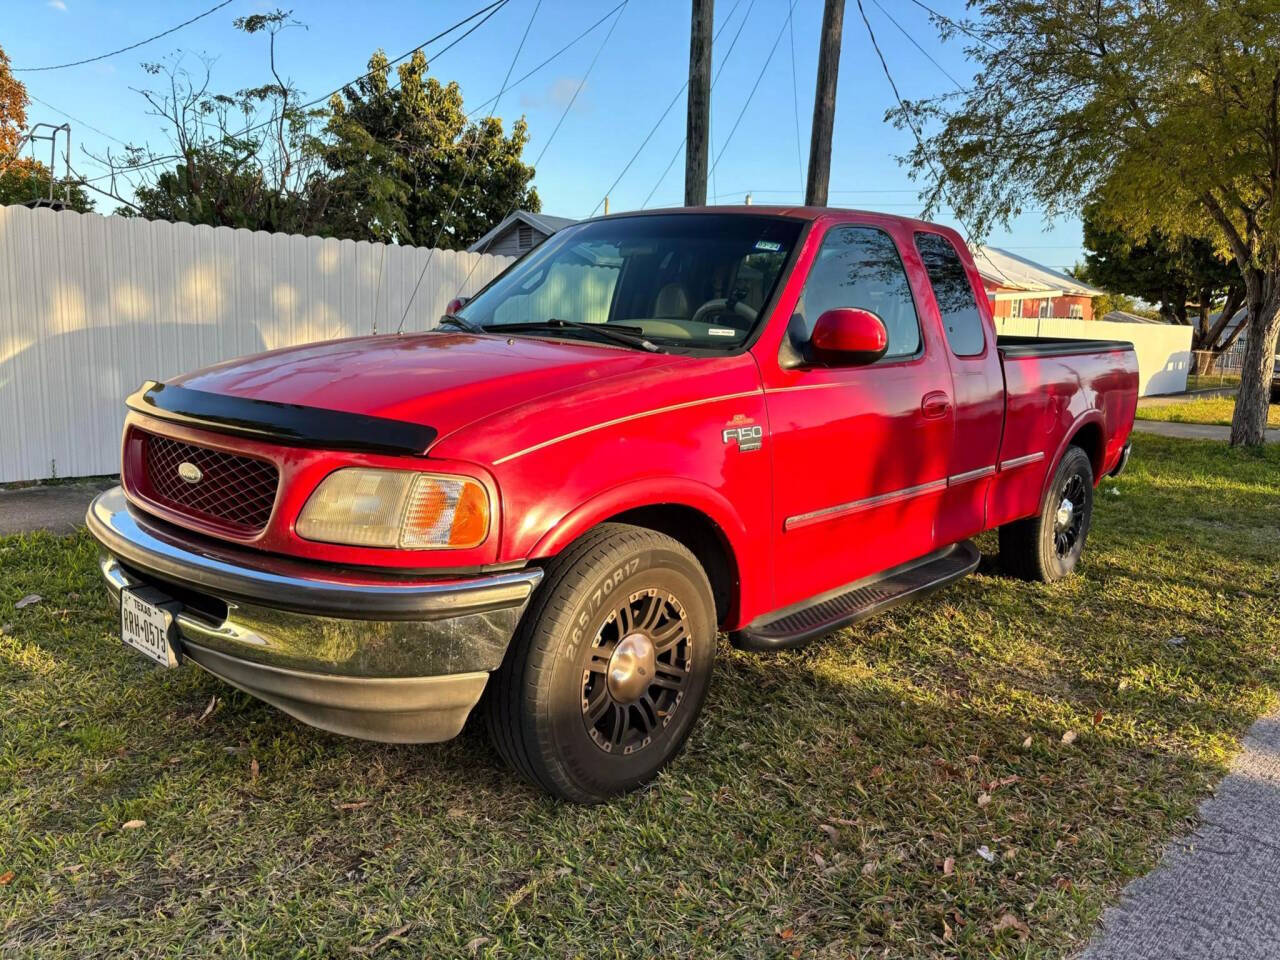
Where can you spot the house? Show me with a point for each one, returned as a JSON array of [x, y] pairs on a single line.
[[519, 233], [1018, 287], [1124, 316]]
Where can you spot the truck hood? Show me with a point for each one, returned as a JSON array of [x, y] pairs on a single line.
[[440, 380]]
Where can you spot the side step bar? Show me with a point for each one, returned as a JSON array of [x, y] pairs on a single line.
[[827, 612]]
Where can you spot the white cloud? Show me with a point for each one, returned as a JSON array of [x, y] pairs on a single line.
[[57, 5], [558, 94]]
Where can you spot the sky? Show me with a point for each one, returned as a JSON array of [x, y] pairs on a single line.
[[760, 90]]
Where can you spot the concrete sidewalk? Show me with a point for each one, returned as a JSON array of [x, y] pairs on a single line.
[[1215, 894], [59, 508], [1195, 431]]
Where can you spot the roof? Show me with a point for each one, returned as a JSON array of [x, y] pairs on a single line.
[[544, 223], [1005, 269]]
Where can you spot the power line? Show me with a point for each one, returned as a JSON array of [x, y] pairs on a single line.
[[795, 96], [484, 12], [928, 56], [714, 79], [132, 46], [546, 146], [87, 126], [906, 116], [959, 25], [448, 215], [755, 86]]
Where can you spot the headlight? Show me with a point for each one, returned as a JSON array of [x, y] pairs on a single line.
[[396, 508]]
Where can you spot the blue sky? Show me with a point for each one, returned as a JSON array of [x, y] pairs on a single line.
[[637, 75]]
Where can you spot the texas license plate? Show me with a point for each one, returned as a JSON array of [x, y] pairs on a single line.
[[146, 624]]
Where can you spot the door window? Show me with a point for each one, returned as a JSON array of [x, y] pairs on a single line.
[[954, 293], [859, 267]]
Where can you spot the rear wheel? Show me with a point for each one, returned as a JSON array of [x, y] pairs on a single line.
[[1048, 546], [605, 677]]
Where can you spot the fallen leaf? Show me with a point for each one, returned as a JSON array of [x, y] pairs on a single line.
[[948, 866], [820, 860], [870, 867], [353, 805], [1122, 685], [391, 935], [1008, 921], [27, 601], [456, 812], [253, 769], [63, 723], [213, 702], [1172, 641], [6, 878], [1069, 737], [1063, 883], [946, 929], [797, 953], [877, 771], [984, 799], [133, 824], [985, 853], [1026, 742], [830, 831], [1097, 717], [6, 629], [787, 934], [476, 944]]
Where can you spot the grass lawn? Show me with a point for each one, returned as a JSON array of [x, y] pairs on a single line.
[[1206, 381], [1201, 410], [974, 775]]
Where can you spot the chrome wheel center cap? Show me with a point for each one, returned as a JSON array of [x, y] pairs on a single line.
[[631, 667], [1066, 513]]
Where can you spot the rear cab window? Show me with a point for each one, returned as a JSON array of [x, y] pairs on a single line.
[[951, 289], [859, 267]]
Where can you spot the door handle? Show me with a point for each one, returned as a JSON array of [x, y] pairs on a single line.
[[935, 405]]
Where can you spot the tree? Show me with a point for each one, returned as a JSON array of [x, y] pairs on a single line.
[[28, 180], [1174, 273], [226, 164], [1166, 112], [13, 111], [408, 167]]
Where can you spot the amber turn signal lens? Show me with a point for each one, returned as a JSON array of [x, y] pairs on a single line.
[[445, 512]]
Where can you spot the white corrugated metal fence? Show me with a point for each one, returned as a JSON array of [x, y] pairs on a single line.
[[91, 306]]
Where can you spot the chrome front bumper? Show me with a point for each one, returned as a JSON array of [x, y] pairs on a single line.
[[397, 660]]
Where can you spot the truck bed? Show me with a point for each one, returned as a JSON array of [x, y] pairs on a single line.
[[1019, 347]]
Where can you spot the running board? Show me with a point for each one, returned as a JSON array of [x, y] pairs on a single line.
[[845, 605]]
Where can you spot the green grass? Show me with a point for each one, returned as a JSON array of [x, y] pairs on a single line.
[[1200, 410], [832, 802]]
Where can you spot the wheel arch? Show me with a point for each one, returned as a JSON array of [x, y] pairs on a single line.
[[1087, 434], [689, 512]]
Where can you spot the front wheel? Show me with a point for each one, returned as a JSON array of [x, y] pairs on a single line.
[[1048, 546], [605, 677]]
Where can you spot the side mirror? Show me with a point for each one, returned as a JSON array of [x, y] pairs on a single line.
[[456, 304], [848, 337]]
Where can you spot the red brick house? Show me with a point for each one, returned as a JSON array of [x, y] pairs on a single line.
[[1017, 287]]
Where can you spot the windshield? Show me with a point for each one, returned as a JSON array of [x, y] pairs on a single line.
[[677, 280]]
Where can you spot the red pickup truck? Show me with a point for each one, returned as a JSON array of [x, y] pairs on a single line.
[[654, 427]]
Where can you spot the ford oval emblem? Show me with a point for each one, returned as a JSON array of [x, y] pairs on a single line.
[[189, 472]]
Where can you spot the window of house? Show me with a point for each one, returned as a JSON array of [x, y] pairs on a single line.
[[1015, 308], [1076, 311], [524, 237], [859, 267], [1046, 308], [951, 288]]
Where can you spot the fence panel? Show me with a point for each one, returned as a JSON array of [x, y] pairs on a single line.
[[1164, 350], [91, 306]]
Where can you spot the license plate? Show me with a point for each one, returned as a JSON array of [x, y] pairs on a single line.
[[146, 624]]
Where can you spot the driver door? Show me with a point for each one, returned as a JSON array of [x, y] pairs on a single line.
[[860, 453]]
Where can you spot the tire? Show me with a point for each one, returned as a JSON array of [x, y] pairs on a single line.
[[574, 717], [1041, 547]]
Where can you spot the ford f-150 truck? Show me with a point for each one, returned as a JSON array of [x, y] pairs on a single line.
[[654, 427]]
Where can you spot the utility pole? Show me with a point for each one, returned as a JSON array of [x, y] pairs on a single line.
[[695, 156], [824, 105]]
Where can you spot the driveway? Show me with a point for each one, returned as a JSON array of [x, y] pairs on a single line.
[[59, 508], [1215, 894], [1195, 431]]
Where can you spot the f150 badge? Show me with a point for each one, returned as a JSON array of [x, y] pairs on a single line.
[[747, 434]]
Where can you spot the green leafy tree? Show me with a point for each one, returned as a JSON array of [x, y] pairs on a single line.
[[1177, 274], [408, 166], [1162, 111]]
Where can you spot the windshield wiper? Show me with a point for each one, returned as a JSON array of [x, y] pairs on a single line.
[[627, 336], [461, 322]]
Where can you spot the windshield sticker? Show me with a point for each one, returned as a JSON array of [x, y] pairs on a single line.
[[771, 245], [721, 332]]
